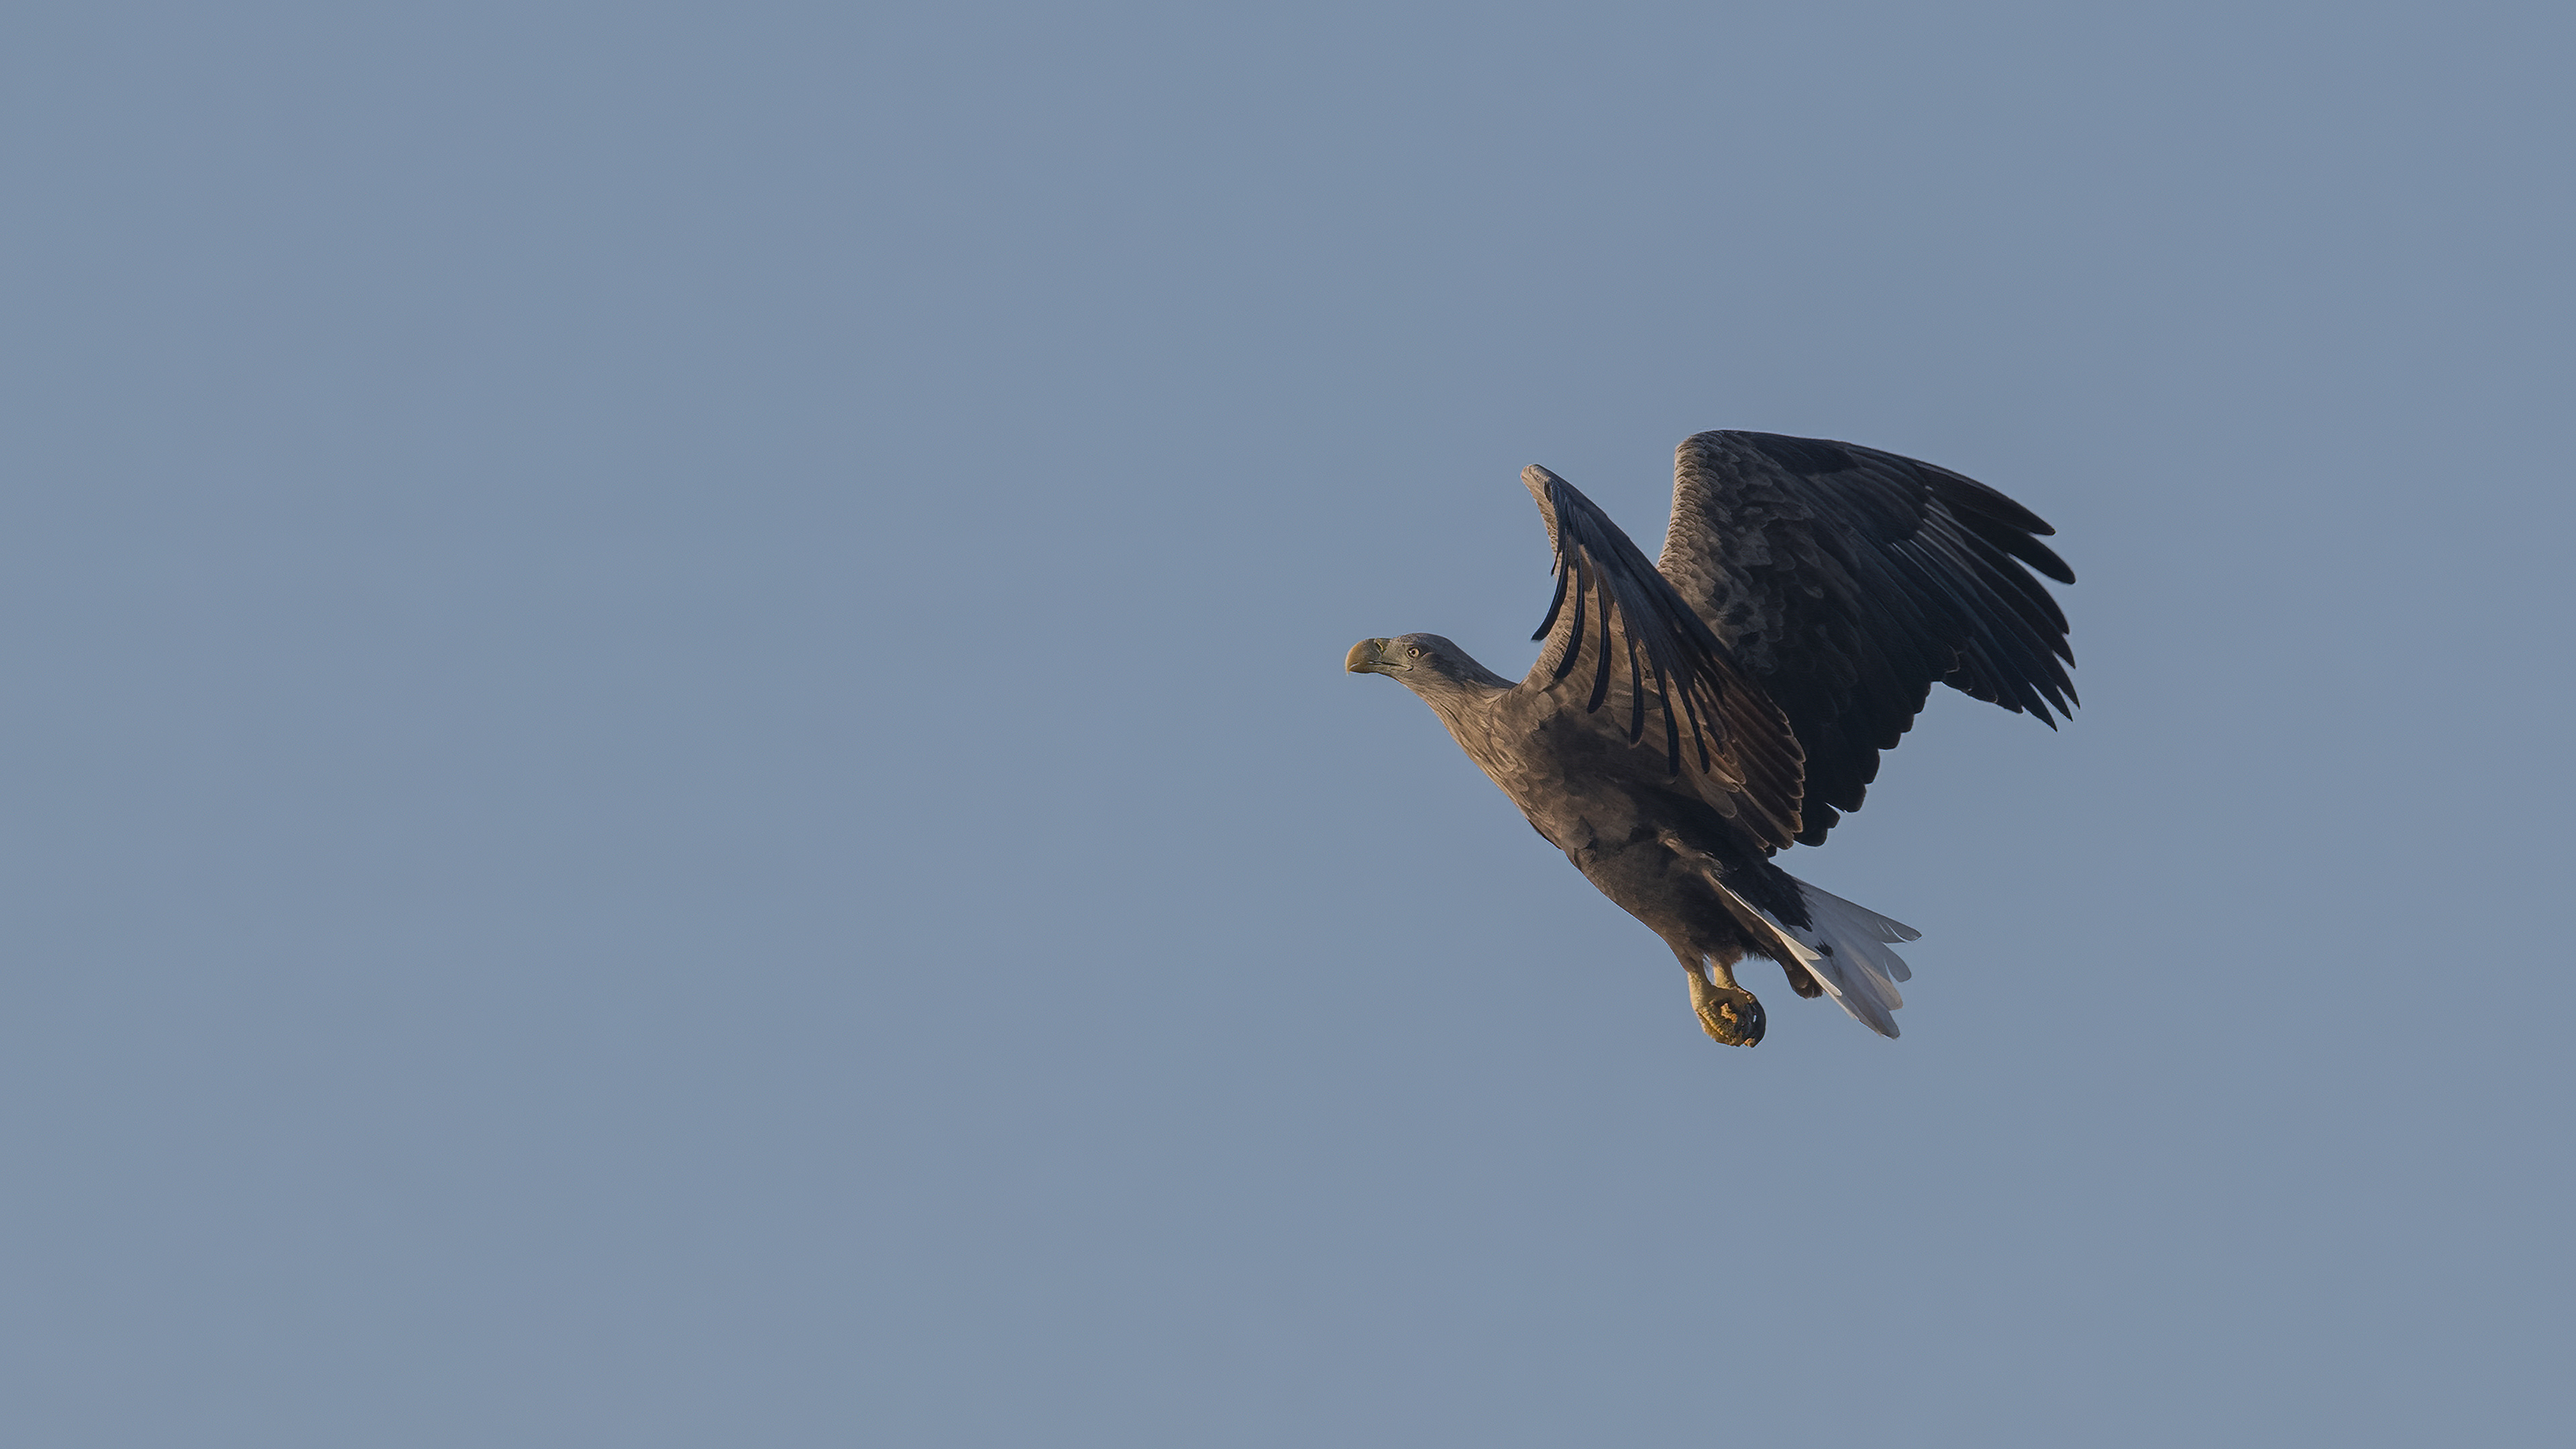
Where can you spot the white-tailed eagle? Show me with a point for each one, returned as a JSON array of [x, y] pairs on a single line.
[[1688, 719]]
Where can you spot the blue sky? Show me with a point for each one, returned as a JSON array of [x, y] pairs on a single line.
[[678, 770]]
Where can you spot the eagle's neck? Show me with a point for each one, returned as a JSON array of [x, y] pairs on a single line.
[[1466, 705]]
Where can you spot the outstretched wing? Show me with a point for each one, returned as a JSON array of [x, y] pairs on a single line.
[[1848, 580], [1617, 635]]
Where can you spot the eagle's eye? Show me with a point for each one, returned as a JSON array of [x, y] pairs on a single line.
[[1415, 651]]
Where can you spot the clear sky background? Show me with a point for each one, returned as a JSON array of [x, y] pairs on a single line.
[[677, 770]]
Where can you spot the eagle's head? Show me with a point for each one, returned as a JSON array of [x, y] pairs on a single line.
[[1424, 663]]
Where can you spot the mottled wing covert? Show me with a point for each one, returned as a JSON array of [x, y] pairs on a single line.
[[1847, 581], [1618, 635]]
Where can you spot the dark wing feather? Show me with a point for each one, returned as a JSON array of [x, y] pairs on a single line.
[[1848, 580], [1616, 632]]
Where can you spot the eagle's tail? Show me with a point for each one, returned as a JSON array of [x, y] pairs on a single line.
[[1846, 951]]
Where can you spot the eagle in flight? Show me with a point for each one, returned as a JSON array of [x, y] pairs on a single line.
[[1688, 719]]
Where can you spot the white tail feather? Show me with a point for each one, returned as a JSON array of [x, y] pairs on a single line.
[[1861, 972], [1846, 951], [1845, 948]]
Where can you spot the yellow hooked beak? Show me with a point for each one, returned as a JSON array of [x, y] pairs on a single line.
[[1367, 657]]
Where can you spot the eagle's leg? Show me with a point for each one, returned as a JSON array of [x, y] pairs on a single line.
[[1727, 1012]]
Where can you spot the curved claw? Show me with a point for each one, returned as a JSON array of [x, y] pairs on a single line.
[[1732, 1017]]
